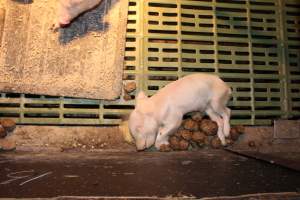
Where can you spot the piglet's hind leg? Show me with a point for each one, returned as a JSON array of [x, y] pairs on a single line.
[[217, 118]]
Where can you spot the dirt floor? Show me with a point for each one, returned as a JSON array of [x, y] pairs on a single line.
[[62, 162], [207, 173]]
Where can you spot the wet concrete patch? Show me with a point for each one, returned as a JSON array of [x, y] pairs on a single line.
[[199, 174]]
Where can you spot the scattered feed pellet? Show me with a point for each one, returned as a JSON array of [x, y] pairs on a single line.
[[196, 116], [190, 124], [186, 134], [174, 142], [183, 144], [8, 124], [130, 87], [216, 143], [199, 137], [251, 144], [2, 132], [126, 97], [210, 128], [234, 134], [165, 148]]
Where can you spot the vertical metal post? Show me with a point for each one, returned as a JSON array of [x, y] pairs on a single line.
[[252, 95], [283, 58]]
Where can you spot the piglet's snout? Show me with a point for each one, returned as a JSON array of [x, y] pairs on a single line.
[[141, 146]]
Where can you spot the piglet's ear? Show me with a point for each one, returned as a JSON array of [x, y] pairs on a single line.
[[141, 95]]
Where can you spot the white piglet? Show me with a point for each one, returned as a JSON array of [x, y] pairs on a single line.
[[157, 117]]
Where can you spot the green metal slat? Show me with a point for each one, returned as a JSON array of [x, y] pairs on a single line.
[[38, 121], [240, 103], [9, 100], [241, 112], [9, 110], [195, 3], [196, 13], [195, 21]]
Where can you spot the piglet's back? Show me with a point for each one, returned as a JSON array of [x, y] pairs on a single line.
[[196, 87], [193, 83]]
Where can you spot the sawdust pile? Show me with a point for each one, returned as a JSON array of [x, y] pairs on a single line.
[[70, 138]]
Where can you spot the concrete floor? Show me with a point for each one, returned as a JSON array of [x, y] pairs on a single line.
[[198, 174]]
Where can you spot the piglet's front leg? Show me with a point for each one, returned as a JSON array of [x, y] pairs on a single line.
[[161, 140], [169, 127]]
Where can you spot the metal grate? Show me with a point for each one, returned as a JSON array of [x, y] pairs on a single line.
[[254, 45]]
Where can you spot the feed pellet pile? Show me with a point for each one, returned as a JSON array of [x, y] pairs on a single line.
[[196, 132]]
